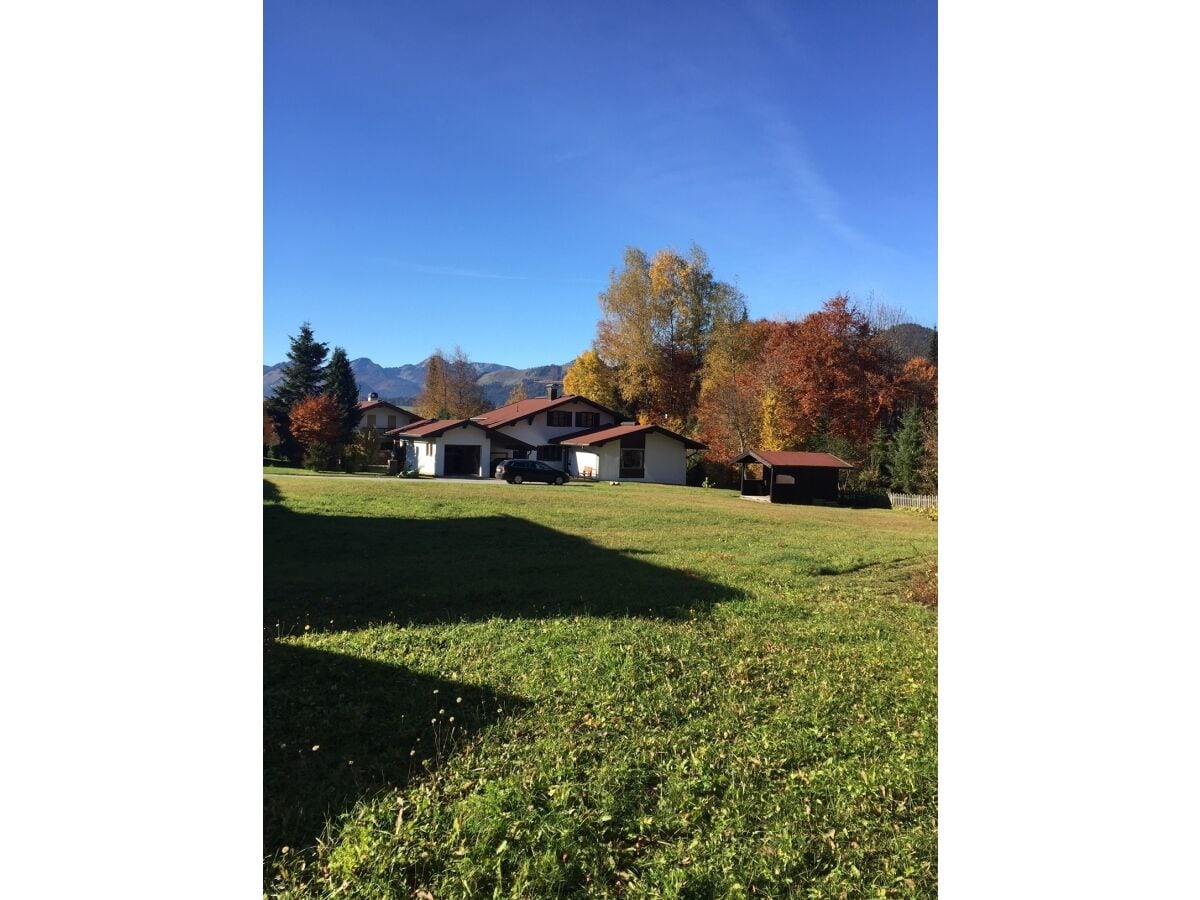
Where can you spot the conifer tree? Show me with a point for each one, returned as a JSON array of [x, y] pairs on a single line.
[[933, 346], [879, 457], [341, 385], [302, 377], [909, 453]]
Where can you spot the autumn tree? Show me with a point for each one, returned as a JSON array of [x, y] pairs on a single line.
[[917, 382], [317, 425], [830, 370], [434, 400], [341, 385], [303, 376], [728, 410], [517, 394], [451, 388], [467, 397], [588, 376], [659, 316]]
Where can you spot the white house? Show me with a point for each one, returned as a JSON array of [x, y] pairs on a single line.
[[541, 421], [384, 416], [571, 432], [452, 447], [630, 452]]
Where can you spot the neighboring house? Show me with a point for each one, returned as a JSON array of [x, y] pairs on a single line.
[[570, 432], [384, 416], [630, 452], [462, 447], [792, 476]]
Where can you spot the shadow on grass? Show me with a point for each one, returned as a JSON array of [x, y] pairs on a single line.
[[335, 573], [337, 728]]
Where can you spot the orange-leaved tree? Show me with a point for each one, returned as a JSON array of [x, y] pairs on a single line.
[[833, 374], [316, 420]]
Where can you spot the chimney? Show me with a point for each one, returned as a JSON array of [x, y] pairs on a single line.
[[552, 392]]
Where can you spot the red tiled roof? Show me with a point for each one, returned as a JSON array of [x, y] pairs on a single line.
[[415, 424], [430, 428], [506, 415], [613, 432], [794, 458]]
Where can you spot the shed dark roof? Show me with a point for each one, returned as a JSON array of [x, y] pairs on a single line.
[[794, 458], [506, 415], [608, 433]]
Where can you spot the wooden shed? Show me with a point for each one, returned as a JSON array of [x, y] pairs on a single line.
[[790, 476]]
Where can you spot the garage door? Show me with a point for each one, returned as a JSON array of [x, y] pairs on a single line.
[[462, 459]]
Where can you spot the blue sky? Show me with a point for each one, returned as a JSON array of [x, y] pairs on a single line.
[[467, 173]]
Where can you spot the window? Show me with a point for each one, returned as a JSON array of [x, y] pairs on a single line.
[[633, 462], [370, 421], [391, 421], [587, 420], [550, 453], [558, 419]]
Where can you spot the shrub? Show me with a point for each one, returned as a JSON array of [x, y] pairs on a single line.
[[318, 456], [354, 458]]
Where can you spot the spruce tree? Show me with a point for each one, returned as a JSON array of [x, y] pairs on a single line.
[[302, 377], [878, 456], [341, 385], [909, 453], [933, 346]]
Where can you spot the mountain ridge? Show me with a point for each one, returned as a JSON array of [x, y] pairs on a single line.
[[402, 384]]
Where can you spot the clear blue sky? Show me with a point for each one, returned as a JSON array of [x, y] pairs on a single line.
[[431, 167]]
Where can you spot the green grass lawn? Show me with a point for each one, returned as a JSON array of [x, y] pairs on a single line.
[[636, 691]]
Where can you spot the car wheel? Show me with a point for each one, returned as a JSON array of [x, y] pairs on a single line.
[[516, 479], [558, 479]]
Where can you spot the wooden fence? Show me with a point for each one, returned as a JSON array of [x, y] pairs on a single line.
[[913, 501]]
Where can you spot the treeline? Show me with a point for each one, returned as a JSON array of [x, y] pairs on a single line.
[[676, 347]]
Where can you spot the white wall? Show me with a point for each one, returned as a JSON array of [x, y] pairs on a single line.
[[426, 461], [468, 434], [666, 459], [585, 459]]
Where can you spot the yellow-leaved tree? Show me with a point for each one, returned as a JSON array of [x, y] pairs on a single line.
[[589, 377]]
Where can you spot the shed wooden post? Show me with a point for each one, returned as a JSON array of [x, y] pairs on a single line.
[[769, 474]]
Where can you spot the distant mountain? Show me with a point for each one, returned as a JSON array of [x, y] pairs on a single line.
[[402, 384], [910, 339]]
